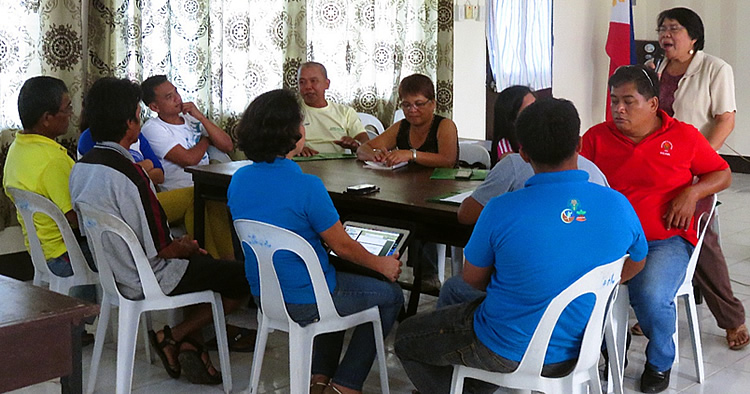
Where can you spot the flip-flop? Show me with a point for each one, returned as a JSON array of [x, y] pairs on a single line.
[[194, 368], [734, 337], [172, 370]]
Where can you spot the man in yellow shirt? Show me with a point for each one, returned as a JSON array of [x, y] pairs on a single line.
[[37, 163], [330, 127]]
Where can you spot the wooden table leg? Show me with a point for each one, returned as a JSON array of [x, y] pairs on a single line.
[[415, 255], [73, 383]]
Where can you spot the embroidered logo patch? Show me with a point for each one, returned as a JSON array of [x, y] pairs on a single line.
[[573, 212], [666, 147]]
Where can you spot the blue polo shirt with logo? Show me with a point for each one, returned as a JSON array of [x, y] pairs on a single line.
[[279, 193], [540, 240]]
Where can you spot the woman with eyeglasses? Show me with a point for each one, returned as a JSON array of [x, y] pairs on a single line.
[[698, 88], [422, 137]]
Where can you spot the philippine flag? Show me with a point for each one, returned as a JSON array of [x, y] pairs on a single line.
[[620, 40]]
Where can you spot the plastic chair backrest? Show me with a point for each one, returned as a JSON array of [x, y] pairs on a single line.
[[704, 211], [398, 115], [376, 126], [28, 204], [265, 240], [96, 223], [601, 281], [472, 153]]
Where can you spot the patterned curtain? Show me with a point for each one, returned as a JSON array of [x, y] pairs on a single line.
[[40, 37], [368, 46], [223, 53]]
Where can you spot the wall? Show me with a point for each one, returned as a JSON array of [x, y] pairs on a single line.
[[469, 69]]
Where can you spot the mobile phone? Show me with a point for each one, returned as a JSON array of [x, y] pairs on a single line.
[[464, 173], [364, 188]]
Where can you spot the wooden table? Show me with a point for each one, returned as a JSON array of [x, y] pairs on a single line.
[[403, 196], [40, 336]]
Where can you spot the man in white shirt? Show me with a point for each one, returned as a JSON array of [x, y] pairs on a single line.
[[181, 134], [330, 127]]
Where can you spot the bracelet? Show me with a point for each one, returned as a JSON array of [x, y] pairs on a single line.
[[413, 155]]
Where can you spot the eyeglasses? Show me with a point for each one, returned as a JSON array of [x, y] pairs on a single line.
[[417, 105], [671, 29], [68, 110]]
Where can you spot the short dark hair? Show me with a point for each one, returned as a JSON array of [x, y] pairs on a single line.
[[549, 131], [270, 126], [417, 84], [645, 79], [506, 111], [148, 86], [37, 96], [313, 64], [688, 19], [110, 103]]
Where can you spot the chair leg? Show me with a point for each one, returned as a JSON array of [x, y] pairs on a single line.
[[380, 349], [441, 262], [695, 333], [145, 326], [101, 335], [615, 335], [457, 381], [221, 341], [260, 349], [457, 260], [126, 340], [300, 360], [676, 336]]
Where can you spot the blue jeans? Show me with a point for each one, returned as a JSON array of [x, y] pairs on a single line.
[[353, 293], [456, 291], [60, 266], [652, 294]]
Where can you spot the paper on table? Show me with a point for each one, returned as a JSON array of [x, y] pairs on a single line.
[[457, 198], [380, 166]]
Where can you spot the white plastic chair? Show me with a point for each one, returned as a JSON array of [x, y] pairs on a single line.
[[375, 125], [28, 204], [398, 115], [265, 240], [704, 211], [474, 153], [97, 223], [602, 283]]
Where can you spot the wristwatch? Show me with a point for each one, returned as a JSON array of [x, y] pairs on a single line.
[[413, 155]]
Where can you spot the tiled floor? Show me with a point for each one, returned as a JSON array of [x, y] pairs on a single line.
[[726, 371]]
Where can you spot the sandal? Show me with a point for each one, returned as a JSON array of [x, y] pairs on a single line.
[[738, 338], [318, 387], [195, 367], [172, 369]]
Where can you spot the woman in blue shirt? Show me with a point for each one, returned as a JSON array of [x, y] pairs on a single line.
[[274, 190]]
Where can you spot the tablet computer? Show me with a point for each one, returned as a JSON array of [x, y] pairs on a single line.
[[378, 240]]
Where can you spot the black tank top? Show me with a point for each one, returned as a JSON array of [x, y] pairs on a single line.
[[430, 143]]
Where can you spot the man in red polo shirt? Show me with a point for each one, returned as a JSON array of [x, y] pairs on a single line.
[[652, 159]]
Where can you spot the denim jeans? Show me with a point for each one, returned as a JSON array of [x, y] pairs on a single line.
[[652, 293], [456, 291], [60, 266], [428, 344], [353, 293]]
